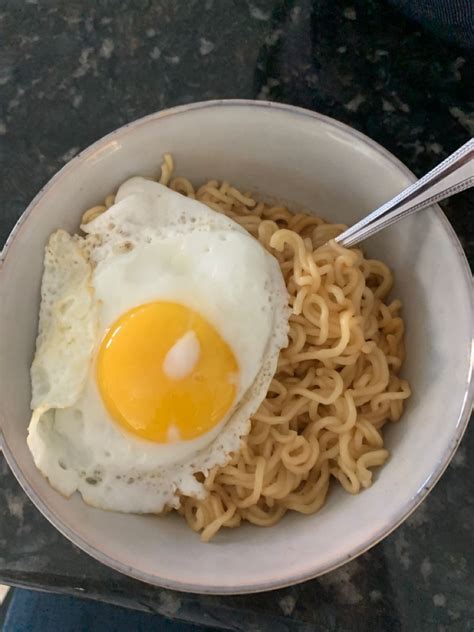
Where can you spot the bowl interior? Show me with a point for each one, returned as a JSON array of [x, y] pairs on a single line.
[[325, 167]]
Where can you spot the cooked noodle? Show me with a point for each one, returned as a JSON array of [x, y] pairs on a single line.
[[336, 384]]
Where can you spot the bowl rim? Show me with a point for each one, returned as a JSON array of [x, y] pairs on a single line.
[[405, 511]]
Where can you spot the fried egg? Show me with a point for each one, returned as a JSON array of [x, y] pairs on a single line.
[[159, 334]]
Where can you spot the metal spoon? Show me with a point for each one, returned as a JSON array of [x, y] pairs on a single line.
[[453, 175]]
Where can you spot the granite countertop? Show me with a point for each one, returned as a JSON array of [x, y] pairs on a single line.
[[71, 72]]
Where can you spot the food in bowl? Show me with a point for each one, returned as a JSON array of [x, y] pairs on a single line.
[[204, 351]]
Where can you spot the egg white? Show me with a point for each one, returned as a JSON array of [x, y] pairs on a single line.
[[155, 244]]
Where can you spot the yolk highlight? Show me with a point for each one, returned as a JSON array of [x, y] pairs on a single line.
[[140, 395]]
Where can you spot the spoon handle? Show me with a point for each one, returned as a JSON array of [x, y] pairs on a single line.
[[453, 175]]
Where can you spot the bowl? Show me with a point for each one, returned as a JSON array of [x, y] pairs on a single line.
[[314, 162]]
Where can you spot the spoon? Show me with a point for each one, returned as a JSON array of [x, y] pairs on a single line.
[[453, 175]]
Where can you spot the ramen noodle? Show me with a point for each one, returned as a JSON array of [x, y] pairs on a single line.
[[336, 385]]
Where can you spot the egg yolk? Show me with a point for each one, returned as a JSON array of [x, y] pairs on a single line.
[[165, 373]]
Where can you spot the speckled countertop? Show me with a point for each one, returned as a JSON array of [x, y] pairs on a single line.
[[71, 72]]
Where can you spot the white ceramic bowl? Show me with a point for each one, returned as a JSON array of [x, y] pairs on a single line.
[[325, 166]]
